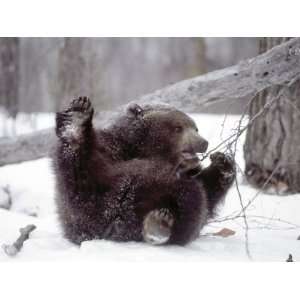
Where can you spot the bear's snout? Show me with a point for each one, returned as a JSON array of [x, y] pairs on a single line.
[[198, 145], [193, 142], [202, 145]]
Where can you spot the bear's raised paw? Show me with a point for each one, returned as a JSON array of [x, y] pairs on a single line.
[[69, 123]]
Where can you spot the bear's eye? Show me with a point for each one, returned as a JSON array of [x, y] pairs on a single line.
[[178, 129]]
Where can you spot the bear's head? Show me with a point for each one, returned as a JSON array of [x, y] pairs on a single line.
[[161, 130]]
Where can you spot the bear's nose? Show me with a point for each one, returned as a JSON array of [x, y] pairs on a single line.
[[202, 145], [194, 143], [197, 145]]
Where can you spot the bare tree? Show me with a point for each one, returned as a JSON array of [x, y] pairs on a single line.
[[74, 69], [114, 70], [9, 74], [272, 142]]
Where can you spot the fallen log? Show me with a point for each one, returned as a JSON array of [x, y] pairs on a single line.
[[40, 143], [279, 66]]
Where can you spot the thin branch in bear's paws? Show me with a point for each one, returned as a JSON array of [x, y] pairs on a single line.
[[14, 249], [230, 145], [230, 140]]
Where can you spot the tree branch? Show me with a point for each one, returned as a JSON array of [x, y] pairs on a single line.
[[14, 249], [279, 65]]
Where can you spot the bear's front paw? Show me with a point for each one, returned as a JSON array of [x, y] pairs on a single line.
[[69, 123], [225, 164]]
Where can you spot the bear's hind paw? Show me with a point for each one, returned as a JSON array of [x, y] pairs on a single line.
[[70, 122], [157, 226], [82, 105]]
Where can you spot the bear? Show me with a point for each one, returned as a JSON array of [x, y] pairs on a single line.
[[140, 179]]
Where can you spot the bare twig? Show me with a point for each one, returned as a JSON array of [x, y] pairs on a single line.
[[245, 221], [291, 225], [14, 249], [230, 145], [234, 137], [234, 217], [243, 211]]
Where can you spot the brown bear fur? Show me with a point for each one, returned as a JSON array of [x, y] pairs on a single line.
[[108, 181]]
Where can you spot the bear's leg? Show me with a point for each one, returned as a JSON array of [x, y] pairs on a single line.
[[157, 226], [75, 149], [217, 179], [75, 161]]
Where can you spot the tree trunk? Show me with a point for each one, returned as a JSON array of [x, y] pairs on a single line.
[[272, 144], [9, 74], [111, 71]]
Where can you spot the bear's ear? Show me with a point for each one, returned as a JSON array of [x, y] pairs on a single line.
[[135, 109]]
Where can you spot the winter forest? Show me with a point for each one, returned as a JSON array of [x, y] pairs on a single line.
[[242, 93]]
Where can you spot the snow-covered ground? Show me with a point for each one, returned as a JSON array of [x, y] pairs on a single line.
[[274, 222]]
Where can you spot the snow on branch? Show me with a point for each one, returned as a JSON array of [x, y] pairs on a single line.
[[278, 66]]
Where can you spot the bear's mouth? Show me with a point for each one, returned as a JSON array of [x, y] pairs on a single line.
[[188, 155], [195, 157], [192, 166]]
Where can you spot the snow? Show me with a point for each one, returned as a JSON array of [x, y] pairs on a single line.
[[24, 123], [274, 221]]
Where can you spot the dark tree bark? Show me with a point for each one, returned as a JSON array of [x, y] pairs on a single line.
[[9, 74], [272, 143]]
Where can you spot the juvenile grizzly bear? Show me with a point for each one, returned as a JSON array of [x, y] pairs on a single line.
[[139, 180]]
